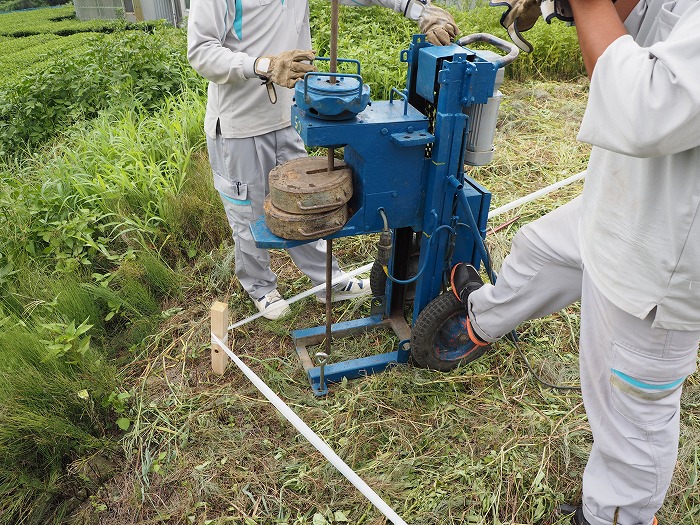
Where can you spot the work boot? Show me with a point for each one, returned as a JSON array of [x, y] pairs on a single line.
[[577, 517], [350, 289], [272, 305], [464, 280]]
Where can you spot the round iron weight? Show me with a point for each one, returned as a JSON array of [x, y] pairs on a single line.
[[305, 186], [300, 227]]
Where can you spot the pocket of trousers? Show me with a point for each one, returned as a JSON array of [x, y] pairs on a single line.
[[645, 388], [234, 195]]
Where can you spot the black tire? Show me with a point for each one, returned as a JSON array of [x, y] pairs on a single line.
[[439, 339], [377, 280]]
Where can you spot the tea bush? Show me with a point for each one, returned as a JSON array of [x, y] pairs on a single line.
[[12, 45], [59, 21], [122, 69], [23, 56], [13, 5]]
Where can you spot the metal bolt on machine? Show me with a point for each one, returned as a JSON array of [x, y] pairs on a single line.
[[407, 157]]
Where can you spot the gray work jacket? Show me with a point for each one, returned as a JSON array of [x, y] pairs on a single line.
[[224, 37]]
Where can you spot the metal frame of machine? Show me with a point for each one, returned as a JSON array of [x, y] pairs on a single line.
[[407, 155]]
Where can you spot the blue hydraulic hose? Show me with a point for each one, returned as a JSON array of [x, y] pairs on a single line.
[[425, 260]]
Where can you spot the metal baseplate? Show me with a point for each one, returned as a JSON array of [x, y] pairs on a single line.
[[321, 376]]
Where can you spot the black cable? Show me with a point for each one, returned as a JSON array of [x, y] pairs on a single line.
[[513, 337]]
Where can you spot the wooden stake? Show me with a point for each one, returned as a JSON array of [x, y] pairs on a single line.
[[219, 328]]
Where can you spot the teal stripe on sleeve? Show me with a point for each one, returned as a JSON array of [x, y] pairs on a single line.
[[641, 384]]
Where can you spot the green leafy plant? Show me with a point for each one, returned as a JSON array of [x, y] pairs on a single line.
[[118, 402], [68, 342]]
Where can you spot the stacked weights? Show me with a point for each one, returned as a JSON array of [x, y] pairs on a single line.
[[307, 201]]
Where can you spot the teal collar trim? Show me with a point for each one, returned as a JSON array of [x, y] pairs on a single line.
[[238, 19]]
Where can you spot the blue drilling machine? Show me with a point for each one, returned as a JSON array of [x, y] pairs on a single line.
[[406, 160]]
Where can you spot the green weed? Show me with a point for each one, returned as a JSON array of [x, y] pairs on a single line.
[[51, 413]]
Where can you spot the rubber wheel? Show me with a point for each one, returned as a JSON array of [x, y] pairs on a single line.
[[439, 339], [377, 280]]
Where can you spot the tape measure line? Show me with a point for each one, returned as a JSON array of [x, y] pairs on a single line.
[[320, 288]]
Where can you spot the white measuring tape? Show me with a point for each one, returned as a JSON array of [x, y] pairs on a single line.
[[313, 290]]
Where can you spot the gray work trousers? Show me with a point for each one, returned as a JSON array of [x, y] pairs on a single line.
[[631, 374], [241, 168]]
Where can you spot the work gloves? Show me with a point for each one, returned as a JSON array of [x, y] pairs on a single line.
[[521, 15], [284, 69], [438, 25]]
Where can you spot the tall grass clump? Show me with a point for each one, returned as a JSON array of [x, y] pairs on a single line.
[[105, 190], [375, 36], [90, 253], [119, 207], [52, 389]]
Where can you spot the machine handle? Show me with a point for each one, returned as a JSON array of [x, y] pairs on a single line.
[[322, 74], [402, 95], [317, 234], [511, 49], [322, 207], [346, 60]]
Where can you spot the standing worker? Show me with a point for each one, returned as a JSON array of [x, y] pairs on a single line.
[[253, 52], [628, 248]]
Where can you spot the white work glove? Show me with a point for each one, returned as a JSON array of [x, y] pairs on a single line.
[[521, 15], [284, 69], [438, 25]]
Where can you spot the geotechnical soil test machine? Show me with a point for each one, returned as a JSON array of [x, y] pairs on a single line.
[[403, 175]]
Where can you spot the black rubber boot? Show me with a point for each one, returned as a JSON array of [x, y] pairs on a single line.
[[577, 517], [464, 280]]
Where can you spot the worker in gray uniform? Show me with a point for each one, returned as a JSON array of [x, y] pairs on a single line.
[[253, 52], [628, 248]]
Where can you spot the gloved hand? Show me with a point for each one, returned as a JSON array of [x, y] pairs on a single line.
[[438, 25], [284, 69], [556, 9], [521, 15]]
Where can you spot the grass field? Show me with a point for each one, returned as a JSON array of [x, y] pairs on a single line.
[[114, 245], [480, 445]]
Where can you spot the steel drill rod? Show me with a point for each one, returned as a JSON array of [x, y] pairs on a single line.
[[329, 294], [331, 166], [334, 39], [329, 273]]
